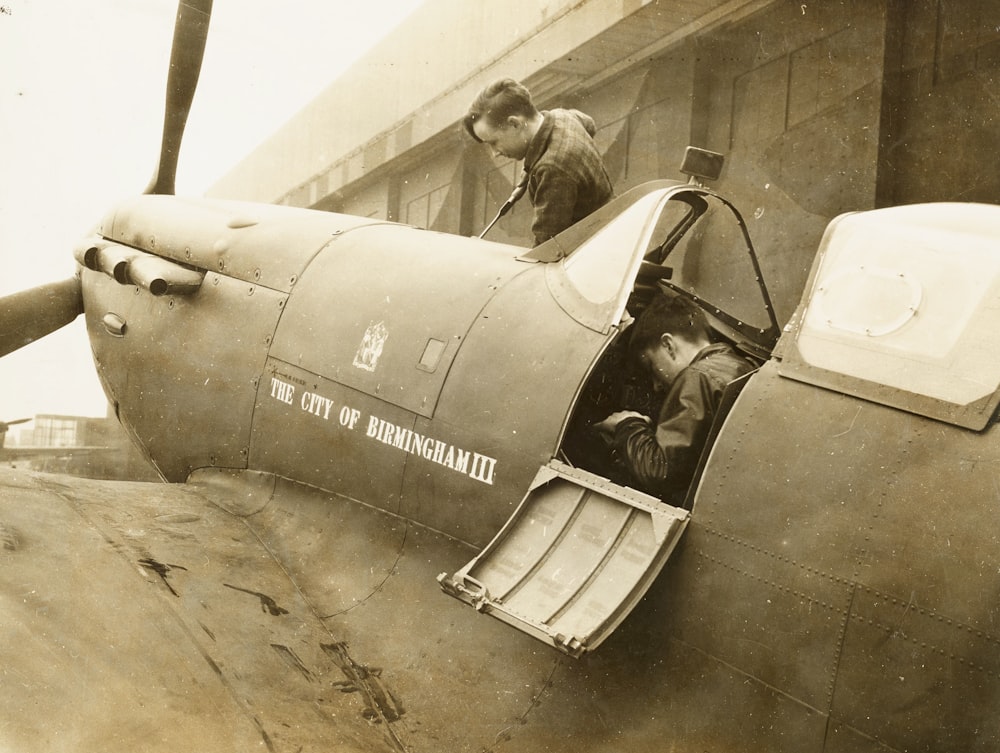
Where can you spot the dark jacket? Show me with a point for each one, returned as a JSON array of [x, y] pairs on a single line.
[[661, 459], [566, 175]]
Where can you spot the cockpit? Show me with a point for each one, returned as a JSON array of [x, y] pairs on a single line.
[[582, 547], [693, 244]]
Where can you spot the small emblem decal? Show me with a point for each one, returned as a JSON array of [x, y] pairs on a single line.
[[371, 346]]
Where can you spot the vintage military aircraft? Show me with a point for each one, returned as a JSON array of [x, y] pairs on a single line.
[[349, 411]]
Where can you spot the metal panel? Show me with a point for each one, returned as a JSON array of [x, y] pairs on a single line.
[[398, 339], [862, 551], [508, 395], [256, 243], [573, 560], [185, 398], [330, 436]]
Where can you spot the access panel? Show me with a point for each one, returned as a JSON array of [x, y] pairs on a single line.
[[383, 309], [573, 560]]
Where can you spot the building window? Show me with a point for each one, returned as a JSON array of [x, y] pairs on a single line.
[[421, 211]]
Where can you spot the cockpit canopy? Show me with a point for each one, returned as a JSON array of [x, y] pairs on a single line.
[[680, 237], [902, 308]]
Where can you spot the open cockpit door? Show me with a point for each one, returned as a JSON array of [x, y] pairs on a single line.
[[573, 560]]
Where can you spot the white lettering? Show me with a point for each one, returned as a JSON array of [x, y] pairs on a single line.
[[439, 452], [282, 391], [482, 468], [316, 404], [349, 416], [402, 437], [416, 443], [478, 467]]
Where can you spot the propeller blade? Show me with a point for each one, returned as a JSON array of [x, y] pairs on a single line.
[[31, 314], [190, 34], [5, 425]]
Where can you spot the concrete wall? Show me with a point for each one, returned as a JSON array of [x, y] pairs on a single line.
[[834, 107], [793, 98], [943, 137], [820, 109], [414, 85]]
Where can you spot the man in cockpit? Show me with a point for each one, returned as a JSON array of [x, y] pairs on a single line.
[[672, 340]]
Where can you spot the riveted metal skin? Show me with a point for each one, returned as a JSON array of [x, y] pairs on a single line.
[[257, 243], [824, 568], [358, 407], [151, 356]]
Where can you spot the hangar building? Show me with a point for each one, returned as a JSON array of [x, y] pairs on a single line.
[[820, 108]]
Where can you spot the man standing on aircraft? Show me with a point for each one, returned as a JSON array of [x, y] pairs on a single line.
[[566, 178], [671, 338]]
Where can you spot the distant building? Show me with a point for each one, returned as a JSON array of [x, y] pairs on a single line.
[[95, 448], [49, 430], [820, 108]]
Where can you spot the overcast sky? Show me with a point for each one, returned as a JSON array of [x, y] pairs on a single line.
[[81, 113]]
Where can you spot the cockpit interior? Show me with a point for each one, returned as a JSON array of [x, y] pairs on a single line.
[[697, 248]]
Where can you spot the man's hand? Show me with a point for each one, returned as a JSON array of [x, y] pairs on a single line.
[[608, 425]]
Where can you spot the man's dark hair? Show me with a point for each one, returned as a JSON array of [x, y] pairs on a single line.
[[497, 102], [668, 314]]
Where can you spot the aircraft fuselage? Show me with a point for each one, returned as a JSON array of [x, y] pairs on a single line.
[[838, 583]]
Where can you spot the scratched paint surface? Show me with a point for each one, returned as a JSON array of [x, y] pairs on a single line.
[[130, 630]]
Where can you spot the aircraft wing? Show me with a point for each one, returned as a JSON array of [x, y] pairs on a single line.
[[142, 617], [8, 454], [240, 613]]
